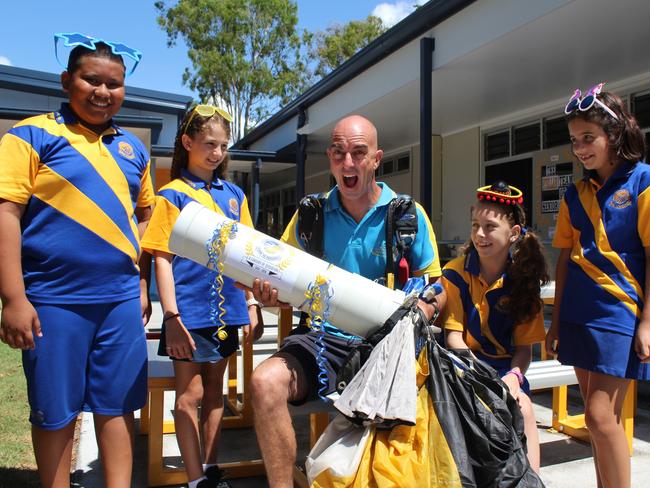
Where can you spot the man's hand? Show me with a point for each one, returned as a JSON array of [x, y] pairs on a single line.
[[263, 293], [429, 309], [19, 324], [432, 297]]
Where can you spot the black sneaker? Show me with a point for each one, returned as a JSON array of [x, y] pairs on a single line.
[[213, 484], [214, 477]]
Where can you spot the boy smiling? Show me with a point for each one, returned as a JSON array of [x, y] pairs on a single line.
[[75, 195]]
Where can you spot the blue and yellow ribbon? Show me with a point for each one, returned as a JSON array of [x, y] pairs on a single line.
[[215, 247], [318, 296]]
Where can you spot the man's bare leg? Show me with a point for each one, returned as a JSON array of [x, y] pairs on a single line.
[[274, 382]]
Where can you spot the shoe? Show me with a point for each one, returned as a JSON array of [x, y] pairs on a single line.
[[214, 478], [213, 484]]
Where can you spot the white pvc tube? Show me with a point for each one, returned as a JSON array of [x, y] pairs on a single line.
[[357, 305]]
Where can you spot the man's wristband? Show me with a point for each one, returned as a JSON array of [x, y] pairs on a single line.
[[251, 301], [436, 312], [429, 292], [520, 377]]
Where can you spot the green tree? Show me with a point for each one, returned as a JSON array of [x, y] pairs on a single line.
[[338, 43], [245, 54]]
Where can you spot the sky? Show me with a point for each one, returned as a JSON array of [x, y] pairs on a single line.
[[27, 28]]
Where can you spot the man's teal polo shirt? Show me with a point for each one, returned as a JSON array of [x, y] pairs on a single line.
[[361, 247]]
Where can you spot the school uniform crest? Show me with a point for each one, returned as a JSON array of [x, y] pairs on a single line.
[[379, 251], [126, 150], [234, 206], [621, 199]]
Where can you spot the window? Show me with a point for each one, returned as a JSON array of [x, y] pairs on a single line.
[[394, 164], [270, 200], [387, 167], [641, 109], [497, 145], [525, 139], [556, 132], [403, 163]]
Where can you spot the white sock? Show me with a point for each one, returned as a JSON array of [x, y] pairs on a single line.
[[193, 484]]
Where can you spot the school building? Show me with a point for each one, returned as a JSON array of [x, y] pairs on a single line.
[[462, 93], [152, 116]]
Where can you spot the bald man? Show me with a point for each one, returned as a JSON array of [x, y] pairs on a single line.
[[355, 233]]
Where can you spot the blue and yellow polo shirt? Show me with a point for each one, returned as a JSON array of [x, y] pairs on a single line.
[[472, 309], [80, 240], [607, 228], [361, 248], [192, 281]]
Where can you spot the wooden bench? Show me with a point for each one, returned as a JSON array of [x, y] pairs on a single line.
[[153, 423]]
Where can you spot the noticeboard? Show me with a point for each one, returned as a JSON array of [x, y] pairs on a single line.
[[556, 178]]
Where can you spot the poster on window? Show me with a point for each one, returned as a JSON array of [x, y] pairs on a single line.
[[556, 178]]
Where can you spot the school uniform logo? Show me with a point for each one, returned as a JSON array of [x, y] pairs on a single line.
[[621, 199], [234, 206], [379, 251], [125, 150]]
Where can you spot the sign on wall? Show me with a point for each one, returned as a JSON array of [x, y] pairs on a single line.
[[556, 178]]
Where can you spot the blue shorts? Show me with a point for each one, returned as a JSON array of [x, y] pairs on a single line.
[[209, 349], [602, 351], [91, 358]]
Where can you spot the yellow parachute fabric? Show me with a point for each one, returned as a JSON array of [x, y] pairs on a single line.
[[405, 456]]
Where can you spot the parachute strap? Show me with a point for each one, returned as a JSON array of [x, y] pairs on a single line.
[[402, 227], [311, 223]]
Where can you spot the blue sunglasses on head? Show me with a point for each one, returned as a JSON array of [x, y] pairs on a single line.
[[585, 103], [74, 39]]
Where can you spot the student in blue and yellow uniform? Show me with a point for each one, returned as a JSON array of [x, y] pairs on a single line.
[[199, 347], [75, 194], [600, 324], [493, 296]]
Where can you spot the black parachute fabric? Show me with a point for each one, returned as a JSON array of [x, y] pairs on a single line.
[[448, 422], [481, 421]]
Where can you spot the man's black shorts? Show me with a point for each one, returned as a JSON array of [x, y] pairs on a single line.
[[303, 344]]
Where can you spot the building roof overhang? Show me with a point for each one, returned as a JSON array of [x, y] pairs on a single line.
[[40, 82], [495, 62], [413, 26]]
